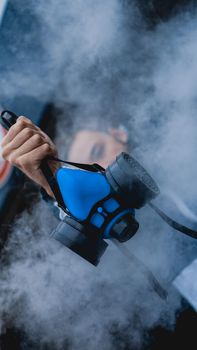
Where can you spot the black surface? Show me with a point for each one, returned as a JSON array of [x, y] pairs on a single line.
[[182, 337], [156, 11]]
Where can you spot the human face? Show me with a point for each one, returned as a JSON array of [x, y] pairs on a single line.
[[97, 147]]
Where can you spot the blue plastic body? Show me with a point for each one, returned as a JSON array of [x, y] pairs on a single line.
[[81, 190]]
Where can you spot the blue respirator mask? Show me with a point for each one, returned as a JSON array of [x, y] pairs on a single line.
[[99, 204]]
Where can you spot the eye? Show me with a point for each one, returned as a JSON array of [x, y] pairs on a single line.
[[97, 152]]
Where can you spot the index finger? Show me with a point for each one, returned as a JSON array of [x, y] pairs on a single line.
[[21, 123]]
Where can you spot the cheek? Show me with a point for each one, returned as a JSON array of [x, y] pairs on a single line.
[[112, 150], [116, 149]]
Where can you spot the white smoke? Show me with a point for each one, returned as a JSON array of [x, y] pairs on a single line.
[[111, 66]]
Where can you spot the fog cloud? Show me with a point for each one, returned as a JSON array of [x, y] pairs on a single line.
[[100, 56]]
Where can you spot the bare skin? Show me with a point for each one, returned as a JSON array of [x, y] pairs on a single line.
[[25, 146], [97, 147]]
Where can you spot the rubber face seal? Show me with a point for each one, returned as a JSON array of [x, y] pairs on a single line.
[[131, 181]]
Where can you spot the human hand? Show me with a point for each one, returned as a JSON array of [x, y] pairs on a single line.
[[25, 146]]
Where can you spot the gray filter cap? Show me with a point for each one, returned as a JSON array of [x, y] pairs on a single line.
[[127, 177]]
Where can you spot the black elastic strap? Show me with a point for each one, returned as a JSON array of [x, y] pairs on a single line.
[[9, 118], [90, 167], [181, 228], [52, 183], [155, 284]]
